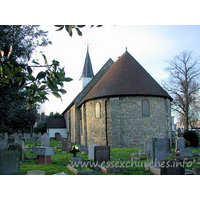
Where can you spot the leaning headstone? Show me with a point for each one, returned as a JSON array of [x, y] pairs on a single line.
[[66, 146], [158, 151], [36, 172], [10, 162], [91, 151], [186, 152], [3, 144], [101, 153], [172, 167], [45, 140], [180, 143]]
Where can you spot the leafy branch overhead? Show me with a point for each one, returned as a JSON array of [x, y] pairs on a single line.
[[37, 87], [69, 28]]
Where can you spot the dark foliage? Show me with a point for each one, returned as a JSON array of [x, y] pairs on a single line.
[[192, 138]]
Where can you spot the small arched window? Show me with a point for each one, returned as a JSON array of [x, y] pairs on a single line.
[[145, 108], [98, 110]]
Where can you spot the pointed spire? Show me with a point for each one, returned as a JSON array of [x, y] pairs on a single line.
[[87, 68]]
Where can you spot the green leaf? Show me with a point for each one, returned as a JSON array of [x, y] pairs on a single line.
[[51, 85], [56, 75], [62, 91], [45, 59], [2, 53], [80, 26], [42, 93], [27, 55], [33, 61], [69, 29], [41, 75], [32, 78], [21, 83], [79, 32], [56, 94], [42, 87], [5, 80], [60, 27], [29, 70], [10, 50], [67, 79]]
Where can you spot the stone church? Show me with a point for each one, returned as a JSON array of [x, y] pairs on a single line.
[[121, 106]]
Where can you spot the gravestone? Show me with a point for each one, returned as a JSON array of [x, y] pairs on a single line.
[[172, 167], [101, 153], [3, 144], [180, 143], [186, 152], [147, 147], [76, 160], [91, 151], [58, 136], [16, 147], [167, 144], [83, 148], [158, 150], [36, 172], [66, 146], [140, 152], [45, 140], [10, 162], [147, 150]]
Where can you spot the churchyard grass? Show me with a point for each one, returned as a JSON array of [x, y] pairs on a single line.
[[120, 155]]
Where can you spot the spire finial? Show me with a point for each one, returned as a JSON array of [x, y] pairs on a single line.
[[88, 46], [126, 48]]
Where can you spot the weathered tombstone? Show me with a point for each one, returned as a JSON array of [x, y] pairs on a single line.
[[172, 167], [36, 172], [140, 152], [83, 148], [180, 143], [167, 144], [76, 160], [16, 147], [10, 162], [58, 136], [101, 153], [158, 150], [186, 152], [66, 146], [147, 147], [45, 140], [3, 144], [91, 151]]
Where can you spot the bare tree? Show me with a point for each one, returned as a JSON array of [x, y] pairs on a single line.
[[183, 85]]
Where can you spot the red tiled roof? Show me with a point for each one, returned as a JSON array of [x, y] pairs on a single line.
[[56, 123], [126, 77]]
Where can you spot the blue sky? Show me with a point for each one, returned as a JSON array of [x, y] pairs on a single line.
[[150, 45]]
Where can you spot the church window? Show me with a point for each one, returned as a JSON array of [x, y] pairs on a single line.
[[98, 110], [145, 108]]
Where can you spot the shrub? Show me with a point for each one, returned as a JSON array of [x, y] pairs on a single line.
[[192, 138]]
